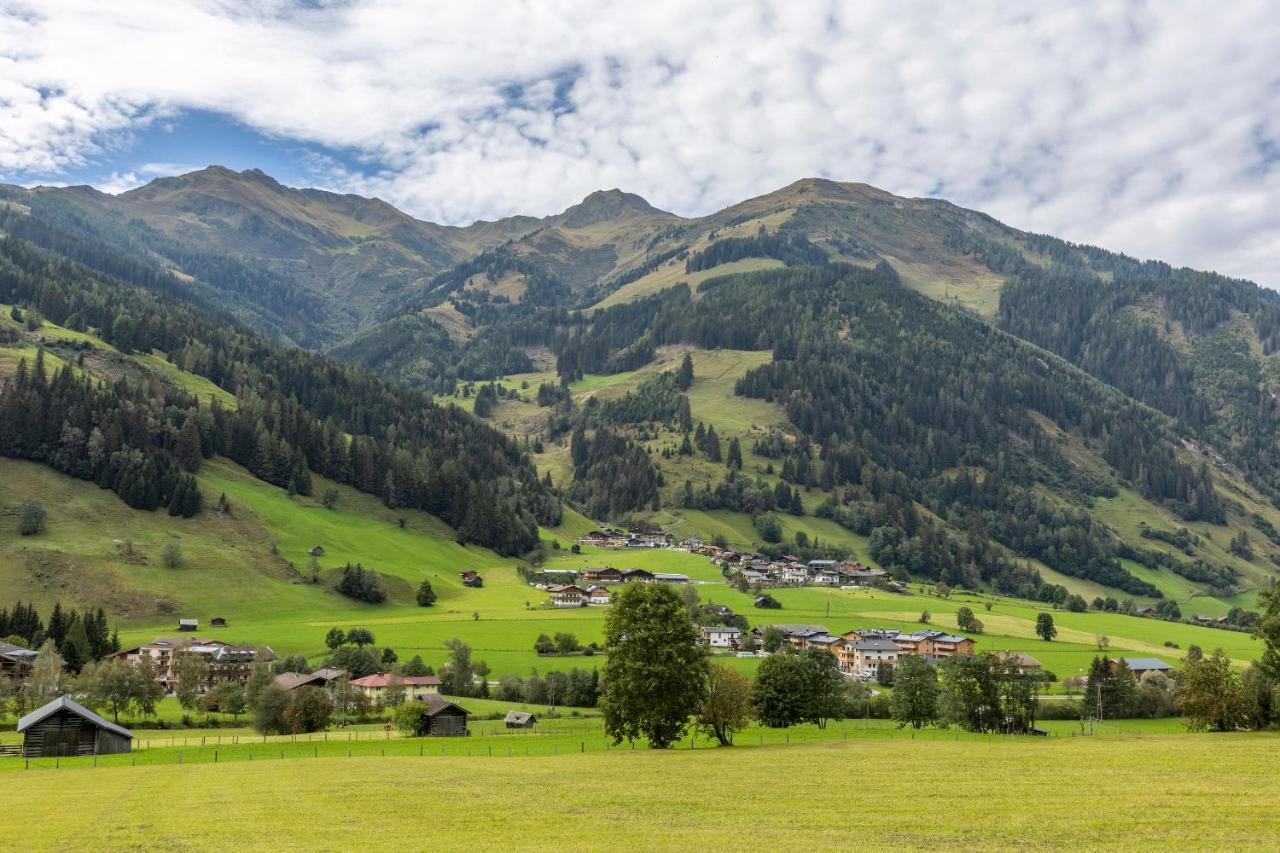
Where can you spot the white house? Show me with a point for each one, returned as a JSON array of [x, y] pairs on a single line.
[[721, 636]]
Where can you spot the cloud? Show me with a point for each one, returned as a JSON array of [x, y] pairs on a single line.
[[1151, 129]]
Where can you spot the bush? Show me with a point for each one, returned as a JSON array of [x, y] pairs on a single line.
[[172, 556], [32, 518]]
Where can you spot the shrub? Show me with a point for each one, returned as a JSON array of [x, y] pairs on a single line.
[[32, 518]]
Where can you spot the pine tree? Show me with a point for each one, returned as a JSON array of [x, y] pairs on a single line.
[[187, 449], [684, 376]]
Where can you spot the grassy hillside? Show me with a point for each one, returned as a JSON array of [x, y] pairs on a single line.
[[1157, 791]]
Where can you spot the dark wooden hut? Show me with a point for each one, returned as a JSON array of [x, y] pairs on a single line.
[[64, 728], [447, 719]]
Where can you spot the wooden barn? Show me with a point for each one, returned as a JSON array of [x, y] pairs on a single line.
[[65, 728], [520, 720], [446, 718]]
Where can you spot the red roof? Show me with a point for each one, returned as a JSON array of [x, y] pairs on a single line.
[[382, 679]]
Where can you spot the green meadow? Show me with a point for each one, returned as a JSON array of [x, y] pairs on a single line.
[[1157, 791]]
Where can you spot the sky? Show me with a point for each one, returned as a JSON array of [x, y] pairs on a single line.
[[1151, 128]]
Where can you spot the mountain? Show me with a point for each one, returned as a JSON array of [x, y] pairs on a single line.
[[925, 387]]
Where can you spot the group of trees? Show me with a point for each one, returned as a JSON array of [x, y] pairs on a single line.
[[120, 435], [78, 638], [576, 688], [361, 584]]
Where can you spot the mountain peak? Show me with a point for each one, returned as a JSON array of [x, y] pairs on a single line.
[[607, 206]]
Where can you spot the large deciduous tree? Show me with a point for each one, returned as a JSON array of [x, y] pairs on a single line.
[[656, 674], [915, 692]]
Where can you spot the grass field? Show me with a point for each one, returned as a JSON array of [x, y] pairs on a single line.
[[1191, 792]]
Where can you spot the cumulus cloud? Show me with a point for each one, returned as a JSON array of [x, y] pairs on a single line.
[[1149, 128]]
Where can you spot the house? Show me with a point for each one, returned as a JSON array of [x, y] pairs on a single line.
[[415, 686], [225, 662], [1026, 663], [63, 728], [520, 720], [15, 661], [641, 575], [188, 625], [940, 643], [794, 634], [567, 595], [753, 577], [861, 658], [471, 579], [827, 577], [606, 575], [1141, 666], [320, 678], [797, 575], [605, 539], [670, 577], [720, 636], [218, 622], [597, 595], [1145, 612], [826, 642], [317, 551], [818, 565]]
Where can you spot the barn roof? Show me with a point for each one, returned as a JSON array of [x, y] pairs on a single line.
[[435, 705], [65, 703], [520, 717]]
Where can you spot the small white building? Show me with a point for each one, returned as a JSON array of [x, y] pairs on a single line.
[[597, 595]]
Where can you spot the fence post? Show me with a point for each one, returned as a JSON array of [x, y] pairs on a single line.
[[179, 756], [215, 756]]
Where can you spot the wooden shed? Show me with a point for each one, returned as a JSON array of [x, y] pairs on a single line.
[[520, 720], [65, 728], [444, 718]]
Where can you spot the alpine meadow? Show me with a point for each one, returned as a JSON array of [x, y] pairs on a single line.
[[600, 529]]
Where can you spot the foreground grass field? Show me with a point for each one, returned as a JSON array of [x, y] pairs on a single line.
[[1204, 792]]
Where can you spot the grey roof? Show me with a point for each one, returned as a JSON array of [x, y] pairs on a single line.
[[822, 639], [520, 717], [65, 702], [1146, 663], [875, 645]]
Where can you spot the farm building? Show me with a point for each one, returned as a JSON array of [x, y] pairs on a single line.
[[218, 622], [317, 551], [471, 578], [520, 720], [64, 728], [438, 717], [188, 624]]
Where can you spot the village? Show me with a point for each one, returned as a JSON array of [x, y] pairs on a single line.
[[748, 570]]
